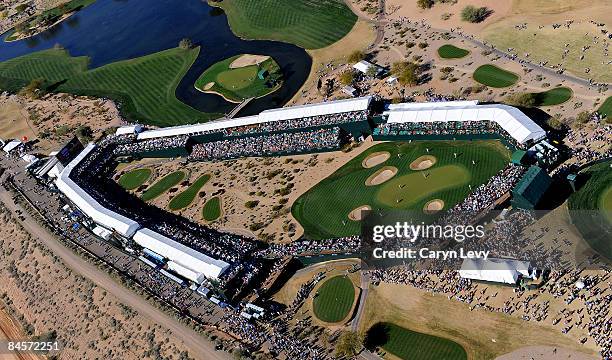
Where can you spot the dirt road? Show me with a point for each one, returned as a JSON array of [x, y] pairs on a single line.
[[199, 346]]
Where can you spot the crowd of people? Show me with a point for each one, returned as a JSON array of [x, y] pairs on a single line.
[[347, 244], [270, 144], [164, 143]]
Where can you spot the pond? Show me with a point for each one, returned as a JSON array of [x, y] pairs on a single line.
[[114, 30]]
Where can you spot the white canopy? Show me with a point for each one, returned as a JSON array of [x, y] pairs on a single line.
[[88, 205], [129, 130], [11, 145], [293, 112], [505, 271], [181, 254], [186, 272], [512, 120]]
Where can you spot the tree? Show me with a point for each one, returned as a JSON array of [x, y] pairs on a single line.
[[185, 44], [84, 133], [473, 14], [406, 72], [34, 89], [425, 4], [347, 77], [372, 71], [583, 117], [356, 56], [522, 99], [349, 344], [555, 122]]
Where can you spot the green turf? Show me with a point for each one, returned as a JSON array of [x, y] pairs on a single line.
[[212, 209], [451, 52], [133, 179], [591, 208], [163, 185], [554, 96], [311, 24], [411, 345], [334, 299], [185, 198], [606, 107], [241, 83], [323, 210], [145, 86], [493, 76]]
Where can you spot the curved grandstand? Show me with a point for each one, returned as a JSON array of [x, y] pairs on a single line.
[[196, 252]]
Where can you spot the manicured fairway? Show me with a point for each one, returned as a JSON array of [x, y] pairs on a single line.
[[606, 107], [334, 299], [451, 52], [310, 24], [493, 76], [135, 178], [554, 96], [236, 84], [186, 197], [145, 86], [212, 209], [323, 210], [163, 185], [411, 345], [591, 208]]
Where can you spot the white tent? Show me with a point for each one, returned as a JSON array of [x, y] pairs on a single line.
[[186, 272], [363, 67], [11, 145], [505, 271], [88, 205], [181, 254], [518, 125], [129, 130]]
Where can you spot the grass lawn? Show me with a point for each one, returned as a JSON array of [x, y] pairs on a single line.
[[451, 52], [240, 83], [163, 185], [554, 96], [212, 209], [591, 208], [606, 107], [493, 76], [334, 299], [145, 86], [133, 179], [411, 345], [311, 24], [185, 198], [323, 210]]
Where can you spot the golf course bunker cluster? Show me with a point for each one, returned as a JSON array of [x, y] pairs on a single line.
[[423, 162], [382, 175], [375, 159]]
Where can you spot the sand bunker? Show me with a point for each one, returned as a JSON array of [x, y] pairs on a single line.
[[380, 176], [248, 60], [357, 213], [208, 86], [423, 162], [374, 159], [433, 206]]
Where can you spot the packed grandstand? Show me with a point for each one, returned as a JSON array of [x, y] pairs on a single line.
[[198, 253]]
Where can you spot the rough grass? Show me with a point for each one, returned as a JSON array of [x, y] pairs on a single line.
[[451, 52], [591, 208], [411, 345], [311, 24], [606, 107], [212, 209], [323, 210], [163, 185], [493, 76], [334, 299], [238, 84], [185, 198], [135, 178], [554, 96], [145, 86]]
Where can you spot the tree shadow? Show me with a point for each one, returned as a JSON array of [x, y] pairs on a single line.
[[376, 336]]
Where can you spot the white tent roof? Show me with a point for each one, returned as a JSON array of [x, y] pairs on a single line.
[[186, 272], [363, 66], [102, 232], [505, 271], [129, 129], [293, 112], [101, 215], [509, 118], [177, 252], [11, 145]]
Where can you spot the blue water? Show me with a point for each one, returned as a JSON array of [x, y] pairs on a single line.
[[114, 30]]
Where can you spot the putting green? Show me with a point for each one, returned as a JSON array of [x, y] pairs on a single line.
[[212, 209], [163, 185], [185, 198], [451, 52], [334, 299], [606, 107], [322, 210], [237, 78], [413, 187], [133, 179], [493, 76], [554, 96], [605, 203]]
